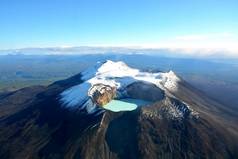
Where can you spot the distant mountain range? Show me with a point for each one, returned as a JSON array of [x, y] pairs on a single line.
[[63, 120], [167, 52]]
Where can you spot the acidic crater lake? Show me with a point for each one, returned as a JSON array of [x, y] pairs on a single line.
[[127, 104]]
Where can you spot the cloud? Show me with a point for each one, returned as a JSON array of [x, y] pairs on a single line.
[[223, 44], [205, 44]]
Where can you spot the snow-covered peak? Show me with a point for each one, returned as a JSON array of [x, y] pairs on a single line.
[[116, 69], [170, 80], [109, 69], [117, 75]]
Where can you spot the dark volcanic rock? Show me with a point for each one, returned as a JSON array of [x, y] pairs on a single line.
[[145, 91]]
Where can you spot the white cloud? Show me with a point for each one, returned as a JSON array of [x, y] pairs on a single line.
[[206, 44]]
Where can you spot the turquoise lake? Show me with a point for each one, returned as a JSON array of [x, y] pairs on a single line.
[[127, 104]]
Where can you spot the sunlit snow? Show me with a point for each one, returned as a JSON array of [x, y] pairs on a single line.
[[114, 74]]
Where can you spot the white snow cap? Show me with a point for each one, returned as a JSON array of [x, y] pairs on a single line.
[[115, 74]]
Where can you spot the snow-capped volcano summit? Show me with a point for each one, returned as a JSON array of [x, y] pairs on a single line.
[[116, 75]]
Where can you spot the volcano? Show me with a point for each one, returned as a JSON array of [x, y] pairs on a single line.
[[113, 111]]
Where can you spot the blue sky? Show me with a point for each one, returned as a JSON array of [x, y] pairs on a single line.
[[146, 23]]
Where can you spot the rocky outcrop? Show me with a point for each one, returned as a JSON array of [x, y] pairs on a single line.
[[102, 94]]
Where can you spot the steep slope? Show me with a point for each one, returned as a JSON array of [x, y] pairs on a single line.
[[62, 120]]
